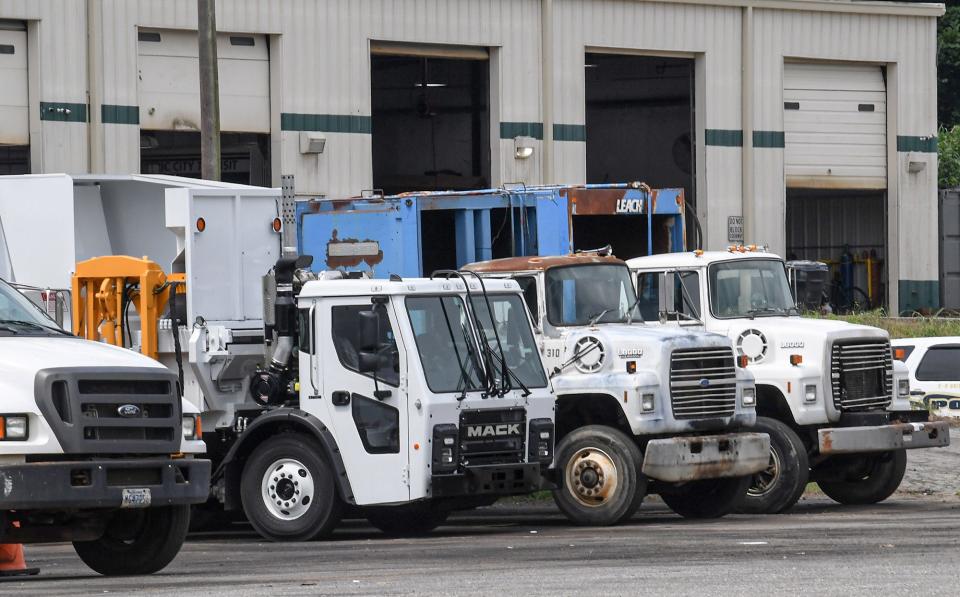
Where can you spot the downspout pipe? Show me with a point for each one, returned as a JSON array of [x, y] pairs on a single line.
[[546, 88], [746, 102]]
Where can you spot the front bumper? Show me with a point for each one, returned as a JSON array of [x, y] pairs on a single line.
[[491, 479], [104, 484], [883, 438], [680, 459]]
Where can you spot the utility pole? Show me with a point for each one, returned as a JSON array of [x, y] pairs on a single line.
[[209, 91]]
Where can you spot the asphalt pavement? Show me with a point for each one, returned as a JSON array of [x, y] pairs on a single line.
[[907, 545]]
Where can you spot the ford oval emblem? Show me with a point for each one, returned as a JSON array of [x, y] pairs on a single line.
[[128, 410], [704, 382]]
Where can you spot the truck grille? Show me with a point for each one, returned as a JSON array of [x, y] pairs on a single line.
[[101, 410], [861, 375], [703, 383], [495, 436]]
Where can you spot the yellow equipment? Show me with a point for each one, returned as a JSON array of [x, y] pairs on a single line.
[[98, 287]]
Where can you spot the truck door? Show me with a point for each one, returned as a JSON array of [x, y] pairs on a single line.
[[368, 414]]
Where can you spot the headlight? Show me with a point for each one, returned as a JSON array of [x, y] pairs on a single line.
[[192, 428], [903, 388], [445, 449], [749, 397], [647, 402], [14, 428], [810, 393], [540, 442]]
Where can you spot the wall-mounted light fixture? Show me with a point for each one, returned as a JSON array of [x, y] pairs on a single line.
[[523, 147], [915, 163], [312, 142]]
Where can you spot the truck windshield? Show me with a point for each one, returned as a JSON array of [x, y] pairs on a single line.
[[598, 293], [19, 316], [512, 327], [445, 342], [749, 288]]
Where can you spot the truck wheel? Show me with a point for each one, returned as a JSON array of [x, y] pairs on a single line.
[[407, 521], [874, 482], [288, 490], [707, 498], [137, 541], [602, 479], [780, 486]]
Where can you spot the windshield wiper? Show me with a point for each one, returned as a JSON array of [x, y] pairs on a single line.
[[595, 318], [516, 378], [574, 358], [765, 310], [33, 324], [630, 312]]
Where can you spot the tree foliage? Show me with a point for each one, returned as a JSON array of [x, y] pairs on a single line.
[[948, 66]]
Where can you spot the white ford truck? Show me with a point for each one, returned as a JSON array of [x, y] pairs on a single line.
[[829, 393], [96, 446], [640, 409]]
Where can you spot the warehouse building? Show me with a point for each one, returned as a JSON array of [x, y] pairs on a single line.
[[806, 125]]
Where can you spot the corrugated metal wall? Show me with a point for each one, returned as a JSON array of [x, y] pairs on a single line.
[[320, 74]]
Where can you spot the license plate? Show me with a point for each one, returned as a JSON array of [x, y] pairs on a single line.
[[136, 498]]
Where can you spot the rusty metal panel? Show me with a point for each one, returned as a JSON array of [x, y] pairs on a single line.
[[882, 438], [682, 459]]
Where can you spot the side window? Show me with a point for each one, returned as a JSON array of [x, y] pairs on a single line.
[[346, 330], [687, 293], [378, 425], [528, 284], [648, 291], [303, 328], [939, 364]]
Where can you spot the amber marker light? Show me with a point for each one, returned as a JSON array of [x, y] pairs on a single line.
[[796, 359], [201, 224], [277, 224]]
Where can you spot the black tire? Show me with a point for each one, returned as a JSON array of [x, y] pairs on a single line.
[[589, 498], [410, 520], [780, 486], [309, 513], [707, 498], [872, 483], [137, 541]]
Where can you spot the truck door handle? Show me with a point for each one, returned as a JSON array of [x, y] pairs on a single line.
[[917, 393], [340, 398]]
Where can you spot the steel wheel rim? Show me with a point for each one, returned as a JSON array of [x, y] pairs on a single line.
[[592, 477], [287, 489], [764, 481]]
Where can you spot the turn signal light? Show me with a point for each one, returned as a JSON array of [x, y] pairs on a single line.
[[201, 224], [796, 359], [277, 224], [631, 366], [900, 354], [743, 360]]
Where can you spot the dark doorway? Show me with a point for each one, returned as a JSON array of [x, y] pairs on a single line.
[[639, 120], [14, 159], [245, 157], [431, 123], [841, 227]]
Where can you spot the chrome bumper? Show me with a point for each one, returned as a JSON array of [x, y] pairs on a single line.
[[681, 459], [883, 438]]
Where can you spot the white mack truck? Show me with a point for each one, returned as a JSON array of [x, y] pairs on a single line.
[[640, 409], [829, 393], [321, 397], [96, 446]]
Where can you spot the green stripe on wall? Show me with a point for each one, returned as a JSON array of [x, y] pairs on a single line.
[[115, 114], [724, 137], [919, 294], [923, 144], [509, 130], [327, 123], [772, 139], [569, 132], [63, 112]]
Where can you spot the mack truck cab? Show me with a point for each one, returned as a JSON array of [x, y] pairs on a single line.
[[96, 446], [640, 409], [829, 393]]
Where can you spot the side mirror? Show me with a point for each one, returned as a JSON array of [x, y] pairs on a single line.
[[369, 333], [368, 361], [666, 291]]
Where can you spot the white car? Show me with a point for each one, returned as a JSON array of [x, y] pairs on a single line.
[[934, 365]]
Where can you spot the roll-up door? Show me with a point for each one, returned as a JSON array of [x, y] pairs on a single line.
[[14, 121], [170, 88], [835, 126]]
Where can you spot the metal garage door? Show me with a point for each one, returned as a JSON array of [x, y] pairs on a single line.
[[14, 121], [835, 126], [170, 81]]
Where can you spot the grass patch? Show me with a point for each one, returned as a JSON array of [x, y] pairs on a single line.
[[901, 327]]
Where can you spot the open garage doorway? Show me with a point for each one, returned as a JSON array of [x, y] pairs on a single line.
[[244, 157], [430, 119], [847, 230], [640, 120]]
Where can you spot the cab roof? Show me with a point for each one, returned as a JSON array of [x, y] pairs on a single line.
[[535, 263], [696, 258], [408, 286]]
